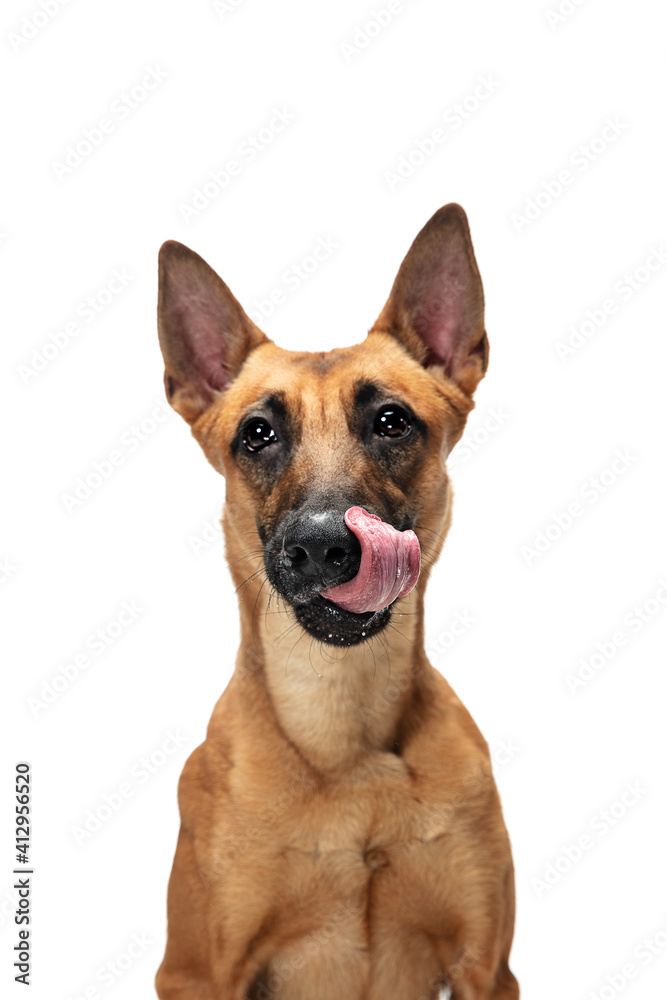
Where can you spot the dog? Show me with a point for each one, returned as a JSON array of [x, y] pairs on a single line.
[[341, 833]]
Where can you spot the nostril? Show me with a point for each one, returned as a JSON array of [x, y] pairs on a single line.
[[335, 555], [319, 549]]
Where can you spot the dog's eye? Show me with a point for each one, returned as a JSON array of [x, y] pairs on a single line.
[[257, 434], [393, 422]]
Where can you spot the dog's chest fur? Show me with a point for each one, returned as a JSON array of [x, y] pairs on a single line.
[[330, 876]]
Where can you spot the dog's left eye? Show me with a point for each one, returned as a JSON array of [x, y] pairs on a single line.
[[257, 434], [393, 422]]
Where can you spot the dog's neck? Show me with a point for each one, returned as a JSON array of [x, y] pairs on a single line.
[[336, 706]]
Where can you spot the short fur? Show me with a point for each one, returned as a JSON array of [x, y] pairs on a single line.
[[341, 836]]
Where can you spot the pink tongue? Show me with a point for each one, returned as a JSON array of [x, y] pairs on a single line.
[[390, 562]]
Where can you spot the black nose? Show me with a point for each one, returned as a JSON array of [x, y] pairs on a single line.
[[321, 548]]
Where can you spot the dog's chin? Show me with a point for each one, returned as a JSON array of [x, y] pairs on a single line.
[[332, 625]]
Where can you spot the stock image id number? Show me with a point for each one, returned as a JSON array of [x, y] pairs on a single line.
[[22, 884]]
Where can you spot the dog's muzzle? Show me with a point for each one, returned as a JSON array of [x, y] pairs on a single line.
[[342, 571]]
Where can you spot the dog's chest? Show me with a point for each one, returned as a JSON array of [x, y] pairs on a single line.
[[374, 828], [352, 871], [375, 812]]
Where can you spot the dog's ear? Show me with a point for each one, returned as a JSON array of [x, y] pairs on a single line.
[[204, 333], [436, 306]]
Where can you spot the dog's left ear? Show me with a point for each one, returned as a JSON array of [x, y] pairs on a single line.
[[436, 306], [205, 335]]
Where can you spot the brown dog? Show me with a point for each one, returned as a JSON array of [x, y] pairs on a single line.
[[342, 836]]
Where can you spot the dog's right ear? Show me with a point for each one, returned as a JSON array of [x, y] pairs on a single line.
[[204, 333]]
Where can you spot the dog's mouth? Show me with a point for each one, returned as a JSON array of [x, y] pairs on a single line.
[[335, 626], [348, 605]]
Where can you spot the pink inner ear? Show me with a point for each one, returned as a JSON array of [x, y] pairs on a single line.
[[440, 316], [205, 345], [212, 368], [439, 335]]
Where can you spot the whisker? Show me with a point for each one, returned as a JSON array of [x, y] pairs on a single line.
[[326, 654], [422, 527], [301, 635], [254, 609], [375, 665], [249, 579], [310, 660], [245, 557]]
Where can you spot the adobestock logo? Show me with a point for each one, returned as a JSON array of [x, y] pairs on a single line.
[[580, 159], [103, 469], [209, 533], [292, 278], [623, 290], [591, 491], [222, 7], [140, 774], [599, 826], [652, 947], [476, 436], [7, 569], [451, 120], [121, 108], [247, 152], [457, 627], [85, 313], [111, 971], [365, 33], [565, 9], [34, 23], [95, 644], [634, 621]]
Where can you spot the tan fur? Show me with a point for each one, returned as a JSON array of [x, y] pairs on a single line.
[[341, 837]]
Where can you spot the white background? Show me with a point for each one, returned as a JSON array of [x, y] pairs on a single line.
[[66, 574]]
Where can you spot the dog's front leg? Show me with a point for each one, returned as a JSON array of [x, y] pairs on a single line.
[[480, 970], [185, 973], [202, 961], [486, 985], [208, 954]]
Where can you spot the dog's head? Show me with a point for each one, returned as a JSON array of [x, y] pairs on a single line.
[[304, 438]]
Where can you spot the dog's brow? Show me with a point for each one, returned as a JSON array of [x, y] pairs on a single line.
[[367, 392], [274, 401]]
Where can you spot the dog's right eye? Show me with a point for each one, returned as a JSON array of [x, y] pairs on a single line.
[[257, 434]]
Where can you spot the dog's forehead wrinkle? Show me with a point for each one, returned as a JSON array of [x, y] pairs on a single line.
[[320, 407], [322, 362]]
